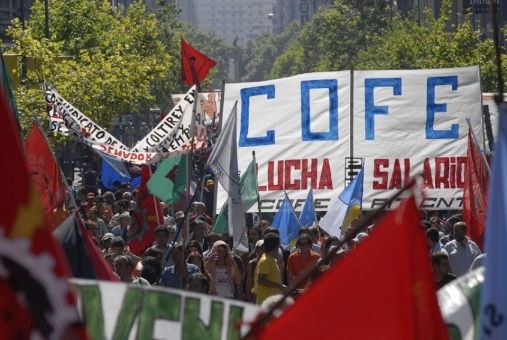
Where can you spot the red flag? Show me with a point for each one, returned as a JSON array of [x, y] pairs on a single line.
[[382, 290], [33, 275], [44, 170], [194, 64], [475, 193], [149, 217]]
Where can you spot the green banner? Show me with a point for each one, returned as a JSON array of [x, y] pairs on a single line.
[[113, 310]]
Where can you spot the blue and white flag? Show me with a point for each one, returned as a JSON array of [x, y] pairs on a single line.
[[286, 222], [345, 208], [308, 216], [493, 311]]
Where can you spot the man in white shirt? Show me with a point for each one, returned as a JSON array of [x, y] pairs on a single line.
[[433, 241], [462, 251]]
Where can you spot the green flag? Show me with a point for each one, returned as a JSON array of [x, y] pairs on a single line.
[[168, 182], [249, 193]]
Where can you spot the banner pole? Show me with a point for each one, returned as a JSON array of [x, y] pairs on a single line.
[[218, 131], [258, 196]]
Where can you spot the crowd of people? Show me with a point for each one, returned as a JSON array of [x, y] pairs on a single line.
[[207, 263]]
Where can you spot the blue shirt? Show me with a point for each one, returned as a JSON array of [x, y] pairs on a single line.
[[171, 279]]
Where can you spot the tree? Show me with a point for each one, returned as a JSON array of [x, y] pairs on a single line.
[[105, 62], [333, 37], [260, 54], [434, 44]]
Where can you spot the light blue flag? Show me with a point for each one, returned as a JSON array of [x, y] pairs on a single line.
[[286, 222], [308, 216], [345, 208], [493, 312]]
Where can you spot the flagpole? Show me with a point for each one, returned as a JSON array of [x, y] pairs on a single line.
[[484, 160], [186, 234], [258, 196], [257, 325], [155, 203], [218, 131]]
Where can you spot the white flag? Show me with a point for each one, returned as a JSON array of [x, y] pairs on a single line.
[[224, 163]]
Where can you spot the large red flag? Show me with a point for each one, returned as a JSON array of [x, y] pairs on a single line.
[[44, 170], [149, 216], [194, 64], [382, 290], [475, 193], [34, 290]]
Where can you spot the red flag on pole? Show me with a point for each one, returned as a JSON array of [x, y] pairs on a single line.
[[44, 170], [33, 279], [149, 217], [475, 193], [194, 65], [384, 289]]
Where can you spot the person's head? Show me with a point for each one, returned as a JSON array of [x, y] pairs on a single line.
[[196, 258], [121, 206], [459, 230], [211, 238], [271, 242], [125, 219], [259, 248], [162, 236], [314, 234], [198, 283], [123, 267], [116, 185], [328, 243], [136, 222], [93, 228], [198, 208], [126, 196], [179, 216], [92, 214], [152, 268], [435, 222], [199, 229], [108, 197], [90, 198], [117, 246], [106, 240], [304, 244], [154, 253], [178, 254], [440, 263], [264, 225], [432, 236], [220, 252], [272, 230], [192, 246], [254, 235]]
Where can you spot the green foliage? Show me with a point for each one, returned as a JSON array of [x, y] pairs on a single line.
[[333, 37], [436, 44], [102, 61], [259, 55]]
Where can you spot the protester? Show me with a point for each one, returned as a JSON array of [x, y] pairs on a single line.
[[178, 275], [268, 275], [462, 251], [433, 239], [301, 261], [441, 269], [199, 283], [251, 293], [223, 270]]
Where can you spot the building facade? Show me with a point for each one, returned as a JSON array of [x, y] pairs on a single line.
[[235, 21], [287, 11], [10, 9]]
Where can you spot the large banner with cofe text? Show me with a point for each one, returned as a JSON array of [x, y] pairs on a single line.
[[306, 134]]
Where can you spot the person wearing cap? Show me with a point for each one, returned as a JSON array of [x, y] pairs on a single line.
[[251, 293], [199, 211], [106, 242], [301, 261]]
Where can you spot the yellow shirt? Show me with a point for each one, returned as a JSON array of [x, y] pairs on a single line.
[[267, 265]]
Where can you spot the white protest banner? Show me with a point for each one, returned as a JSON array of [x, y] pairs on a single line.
[[113, 310], [459, 303], [414, 121], [78, 125], [209, 105], [405, 122], [173, 131]]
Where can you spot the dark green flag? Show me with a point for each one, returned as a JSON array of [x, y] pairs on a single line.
[[168, 182]]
